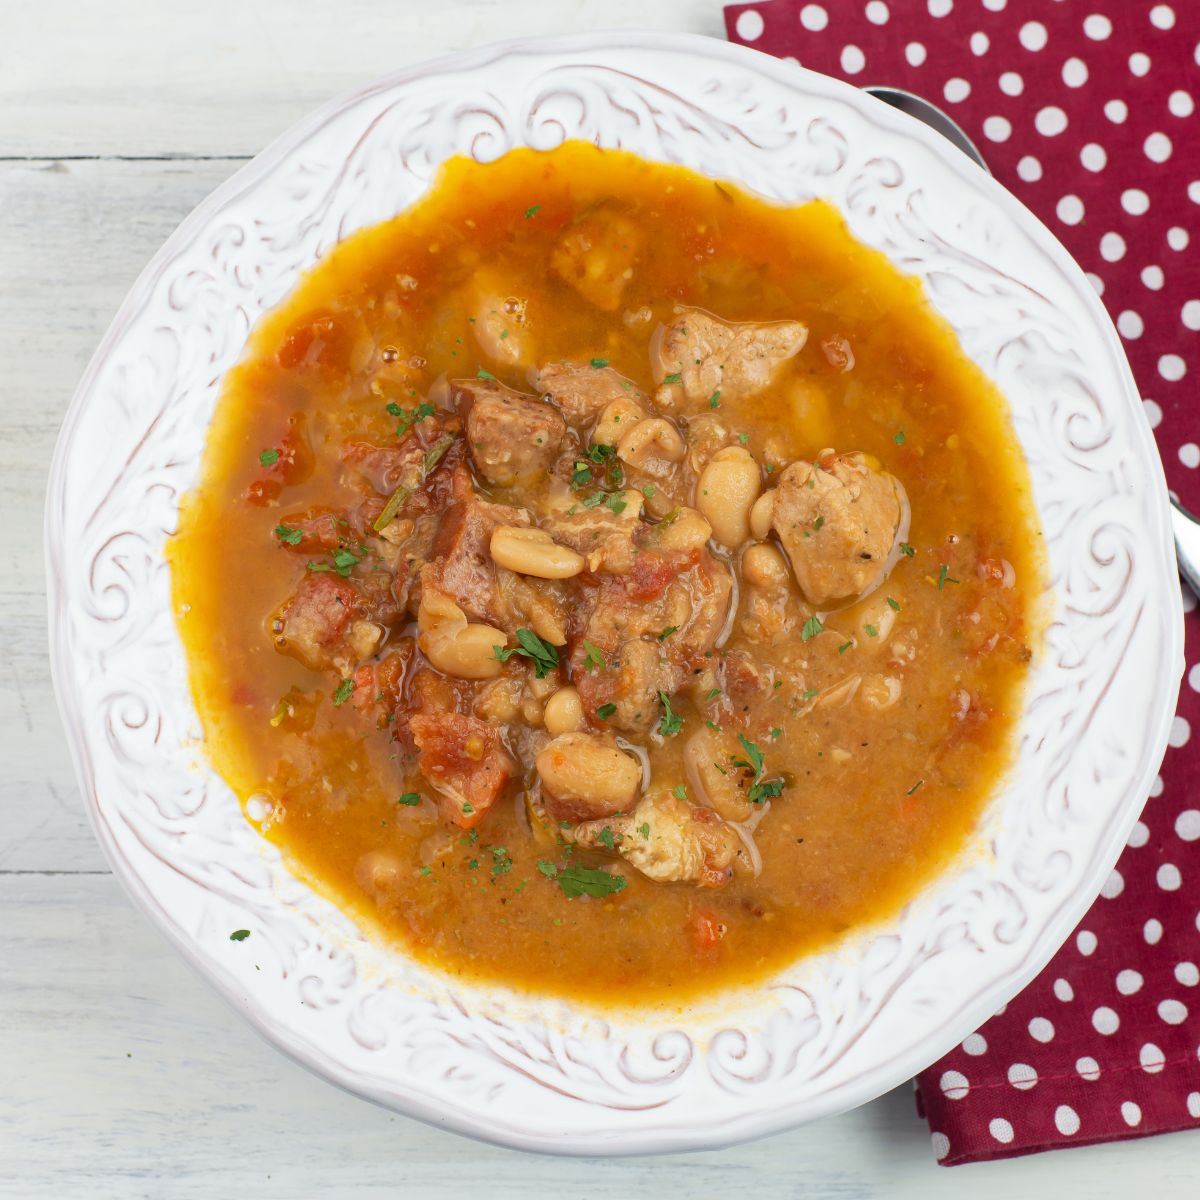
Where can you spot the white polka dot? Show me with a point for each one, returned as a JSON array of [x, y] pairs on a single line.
[[1194, 674], [1093, 157], [1066, 1120], [1151, 1058], [1105, 1021], [1029, 169], [1187, 973], [1096, 282], [1139, 64], [877, 12], [1011, 84], [1152, 931], [915, 53], [1139, 835], [1022, 1076], [1161, 17], [1189, 314], [1112, 247], [1168, 877], [1075, 72], [1085, 943], [941, 1145], [1177, 238], [940, 8], [975, 1044], [956, 90], [1187, 824], [1157, 147], [1070, 210], [1180, 104], [1130, 325], [1172, 368], [814, 18], [1194, 191], [1001, 1130], [1153, 413], [1000, 1011], [1033, 35], [994, 5], [1088, 1068], [954, 1085], [1130, 1113], [1114, 885], [979, 43], [1134, 201], [1173, 1012], [1041, 1030], [1097, 27], [1189, 455], [749, 25], [1129, 981], [1156, 788], [997, 129], [1116, 111], [853, 60], [1063, 990], [1193, 1104], [1050, 121], [1152, 277]]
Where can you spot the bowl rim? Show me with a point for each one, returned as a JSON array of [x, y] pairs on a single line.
[[868, 1084]]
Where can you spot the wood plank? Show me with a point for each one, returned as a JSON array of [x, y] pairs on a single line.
[[146, 78], [77, 234], [134, 1080]]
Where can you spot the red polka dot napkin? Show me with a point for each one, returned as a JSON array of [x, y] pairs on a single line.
[[1086, 110]]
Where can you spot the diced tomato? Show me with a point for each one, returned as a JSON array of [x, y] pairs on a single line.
[[464, 759], [706, 931], [263, 492], [653, 570], [317, 340], [378, 685]]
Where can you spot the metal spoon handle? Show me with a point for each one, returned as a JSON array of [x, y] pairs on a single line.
[[1187, 544]]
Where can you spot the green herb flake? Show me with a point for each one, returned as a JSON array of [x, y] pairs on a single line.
[[605, 711], [344, 691], [809, 693], [776, 732], [547, 868], [811, 628], [674, 377], [268, 458], [671, 722], [543, 655], [944, 577], [644, 829], [899, 438], [894, 605], [648, 491], [485, 375], [907, 550], [239, 935], [615, 503], [712, 693], [713, 726], [531, 210], [592, 659], [871, 631], [680, 792], [666, 633], [410, 799], [914, 787], [291, 537], [714, 401], [599, 363], [844, 647], [578, 881], [743, 438], [468, 809], [605, 838], [581, 474]]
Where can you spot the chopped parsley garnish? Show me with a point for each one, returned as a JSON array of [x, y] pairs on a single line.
[[344, 691], [809, 693], [592, 657], [599, 363], [671, 722], [468, 808], [907, 550], [743, 438], [582, 881], [531, 210], [899, 439], [680, 792], [601, 451], [811, 628], [844, 647], [944, 577], [268, 458], [755, 765], [615, 503], [409, 417], [291, 536], [712, 694], [894, 605], [581, 475], [713, 726], [501, 862], [715, 399], [544, 655], [547, 868], [594, 501], [666, 633], [776, 732], [644, 829], [648, 491], [343, 562], [239, 935], [871, 631], [914, 787], [410, 799], [818, 523], [605, 711], [674, 377], [761, 789], [605, 838], [485, 375]]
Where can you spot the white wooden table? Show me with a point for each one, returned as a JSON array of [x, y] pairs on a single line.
[[123, 1075]]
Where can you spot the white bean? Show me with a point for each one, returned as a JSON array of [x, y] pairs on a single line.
[[726, 492]]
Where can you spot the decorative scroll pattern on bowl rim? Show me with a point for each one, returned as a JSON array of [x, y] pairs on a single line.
[[831, 1031]]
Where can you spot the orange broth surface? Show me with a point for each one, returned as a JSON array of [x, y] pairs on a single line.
[[874, 802]]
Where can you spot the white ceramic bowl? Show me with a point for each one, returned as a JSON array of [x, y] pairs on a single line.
[[829, 1032]]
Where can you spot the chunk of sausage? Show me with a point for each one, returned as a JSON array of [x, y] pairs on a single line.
[[698, 355], [668, 840], [465, 763], [636, 672], [604, 538], [597, 255], [511, 435], [321, 625], [837, 519], [461, 555], [586, 775], [583, 392]]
